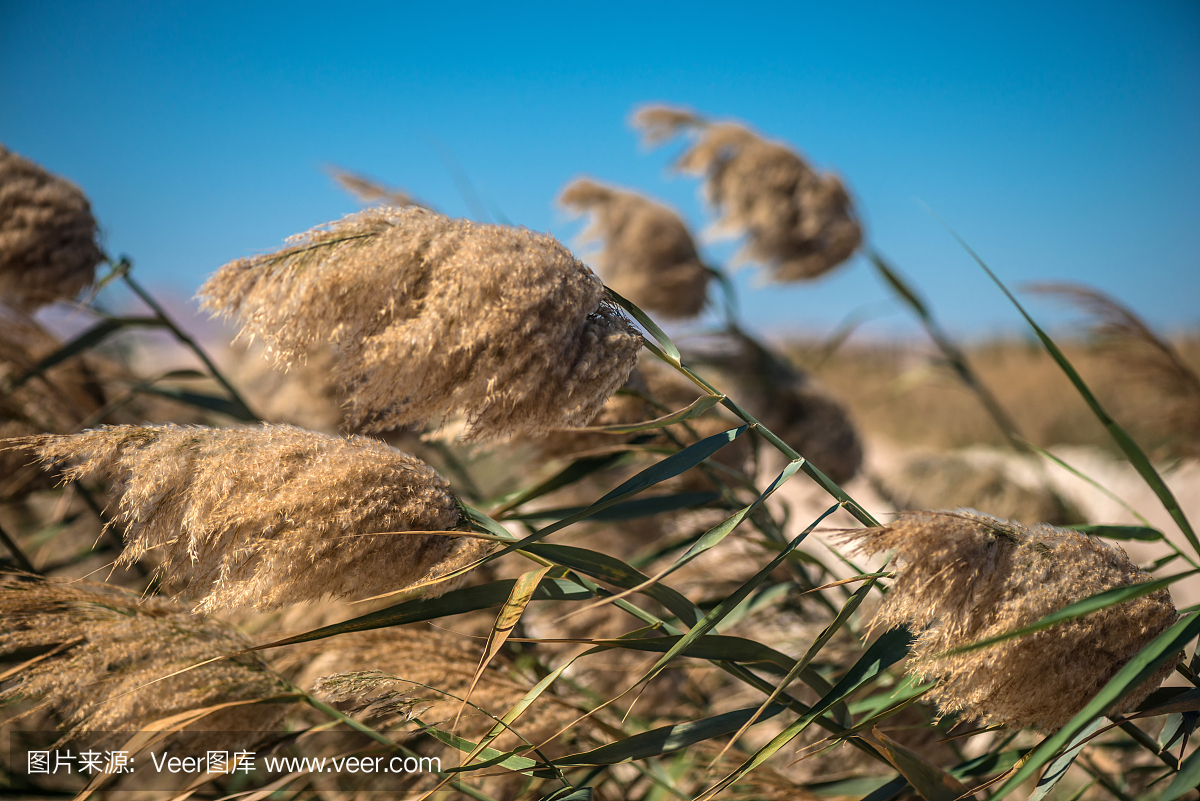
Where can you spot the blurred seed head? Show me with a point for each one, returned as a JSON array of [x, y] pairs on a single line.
[[48, 244], [369, 190], [818, 427], [258, 518], [649, 256], [431, 316], [949, 480], [1144, 357], [112, 642], [963, 576], [809, 419], [798, 222]]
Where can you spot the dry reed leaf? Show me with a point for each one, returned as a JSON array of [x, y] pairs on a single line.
[[798, 222], [962, 577], [116, 644], [649, 256], [48, 236], [431, 316], [257, 518]]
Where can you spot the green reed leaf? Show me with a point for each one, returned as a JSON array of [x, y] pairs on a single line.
[[85, 341], [455, 602], [1162, 648], [666, 739], [1133, 452]]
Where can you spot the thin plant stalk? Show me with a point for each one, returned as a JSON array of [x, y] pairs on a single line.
[[122, 268]]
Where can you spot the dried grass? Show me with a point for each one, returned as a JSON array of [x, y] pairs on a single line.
[[431, 316], [114, 642], [48, 236], [962, 577], [260, 517]]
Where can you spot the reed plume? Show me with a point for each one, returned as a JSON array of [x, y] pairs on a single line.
[[257, 518], [368, 190], [385, 670], [817, 427], [648, 256], [431, 316], [798, 222], [48, 244], [963, 576], [1143, 355], [109, 642]]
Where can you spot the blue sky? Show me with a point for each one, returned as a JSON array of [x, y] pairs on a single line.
[[1060, 139]]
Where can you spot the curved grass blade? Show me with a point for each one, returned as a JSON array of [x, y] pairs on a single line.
[[669, 353], [666, 739], [690, 412], [570, 794], [1188, 778], [575, 471], [668, 468], [510, 614], [933, 783], [1081, 475], [629, 510], [883, 653], [468, 599], [1059, 767], [825, 636], [613, 570], [1139, 533], [711, 538], [212, 403], [1133, 452], [954, 355], [1163, 647], [1093, 603], [726, 606], [88, 339]]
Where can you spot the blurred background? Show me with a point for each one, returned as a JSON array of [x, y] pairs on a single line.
[[1058, 139]]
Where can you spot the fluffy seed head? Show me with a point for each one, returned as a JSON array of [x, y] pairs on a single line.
[[431, 316], [648, 256], [261, 517], [799, 222], [817, 427], [48, 244], [962, 577], [114, 642]]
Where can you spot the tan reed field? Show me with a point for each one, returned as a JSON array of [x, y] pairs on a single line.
[[455, 518]]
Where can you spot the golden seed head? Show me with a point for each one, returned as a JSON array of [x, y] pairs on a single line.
[[113, 644], [261, 517], [798, 222], [962, 577], [48, 244], [648, 256], [432, 317]]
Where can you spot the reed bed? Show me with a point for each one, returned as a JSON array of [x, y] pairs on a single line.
[[460, 502]]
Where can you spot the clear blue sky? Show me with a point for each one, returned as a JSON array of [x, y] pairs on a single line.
[[1061, 139]]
